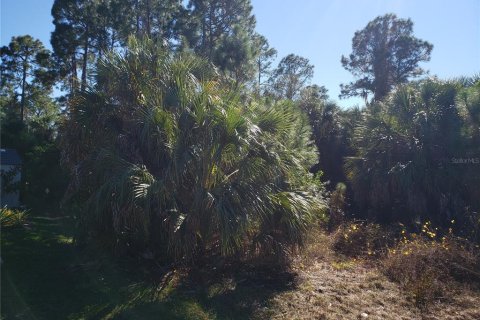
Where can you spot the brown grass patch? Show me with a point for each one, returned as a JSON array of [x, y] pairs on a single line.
[[430, 270], [381, 274]]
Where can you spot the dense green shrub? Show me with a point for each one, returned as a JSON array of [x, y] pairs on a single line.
[[417, 154], [43, 181], [168, 159]]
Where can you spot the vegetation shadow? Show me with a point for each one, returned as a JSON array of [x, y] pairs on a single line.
[[45, 276]]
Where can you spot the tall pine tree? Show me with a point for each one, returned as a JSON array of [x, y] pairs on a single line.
[[223, 31], [26, 69]]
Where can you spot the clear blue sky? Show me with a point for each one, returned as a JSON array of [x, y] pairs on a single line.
[[321, 30]]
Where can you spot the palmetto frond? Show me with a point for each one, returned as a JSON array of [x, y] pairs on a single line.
[[403, 169], [171, 158]]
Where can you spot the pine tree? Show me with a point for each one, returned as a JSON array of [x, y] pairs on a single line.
[[80, 36], [222, 31], [291, 76], [26, 68], [384, 54], [265, 56]]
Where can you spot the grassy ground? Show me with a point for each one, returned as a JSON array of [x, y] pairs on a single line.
[[44, 276]]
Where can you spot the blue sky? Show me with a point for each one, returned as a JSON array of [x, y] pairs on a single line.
[[320, 30]]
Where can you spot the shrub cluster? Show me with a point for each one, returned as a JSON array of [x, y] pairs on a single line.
[[427, 264], [417, 154], [428, 267], [166, 158], [362, 239]]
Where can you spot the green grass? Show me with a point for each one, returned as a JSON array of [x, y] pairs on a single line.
[[45, 276]]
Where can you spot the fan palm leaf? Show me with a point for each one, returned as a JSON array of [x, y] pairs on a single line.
[[170, 158]]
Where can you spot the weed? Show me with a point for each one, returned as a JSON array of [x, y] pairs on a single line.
[[361, 239], [12, 217], [427, 264]]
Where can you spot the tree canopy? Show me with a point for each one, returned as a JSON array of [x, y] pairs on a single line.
[[291, 75], [265, 57], [27, 71], [384, 54]]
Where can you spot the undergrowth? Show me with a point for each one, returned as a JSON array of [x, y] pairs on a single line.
[[429, 264], [12, 217], [361, 239]]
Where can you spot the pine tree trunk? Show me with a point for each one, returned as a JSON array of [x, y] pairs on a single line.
[[259, 73], [24, 82], [210, 32], [73, 81], [85, 61], [204, 35], [148, 27], [137, 19]]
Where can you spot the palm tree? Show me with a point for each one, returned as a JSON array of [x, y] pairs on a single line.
[[403, 168], [332, 130], [167, 158]]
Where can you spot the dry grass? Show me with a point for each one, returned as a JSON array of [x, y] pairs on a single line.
[[337, 282], [341, 291], [430, 270], [323, 284]]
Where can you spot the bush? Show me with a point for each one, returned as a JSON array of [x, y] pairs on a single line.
[[427, 265], [12, 217], [165, 157], [471, 228], [362, 239], [337, 204], [45, 180], [414, 154]]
